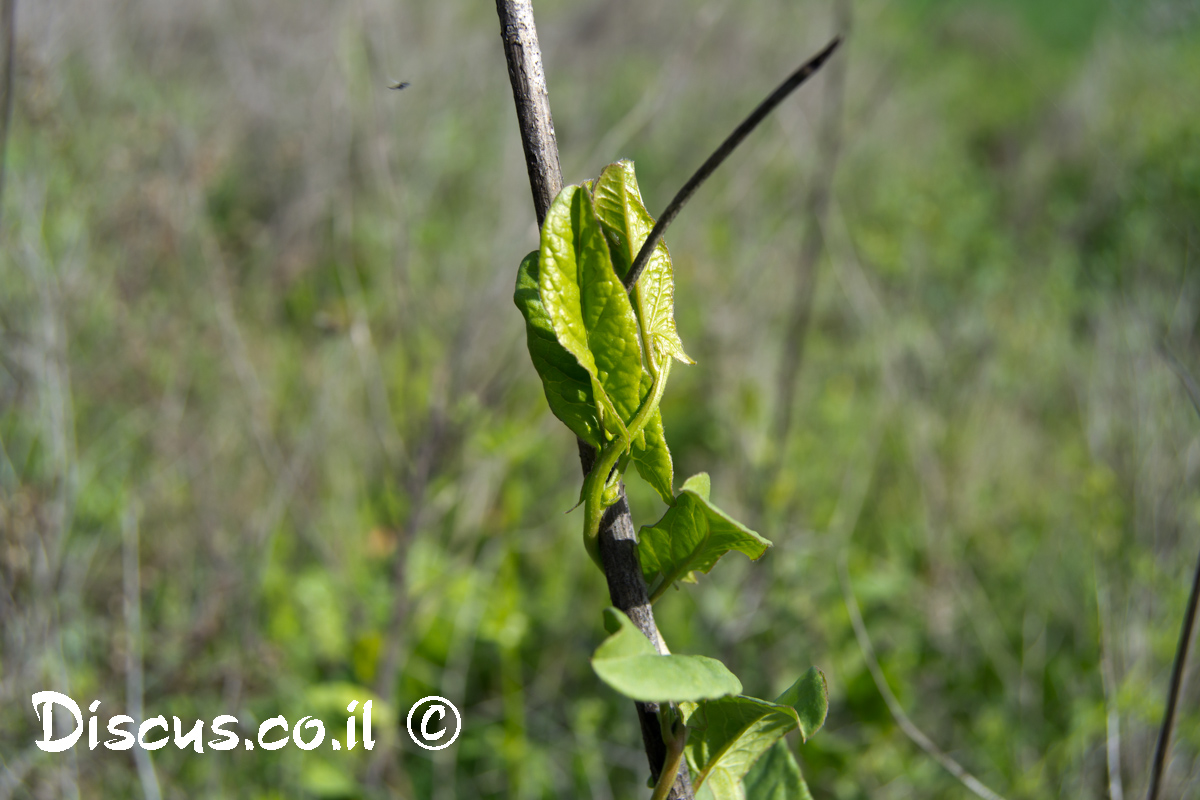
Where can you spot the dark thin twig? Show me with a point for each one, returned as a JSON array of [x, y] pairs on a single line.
[[1179, 669], [721, 153], [618, 540]]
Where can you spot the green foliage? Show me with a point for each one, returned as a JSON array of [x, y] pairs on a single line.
[[728, 734], [588, 309], [623, 343], [691, 536], [628, 662], [567, 384], [776, 776]]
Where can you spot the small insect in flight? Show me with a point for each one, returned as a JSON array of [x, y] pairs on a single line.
[[400, 85]]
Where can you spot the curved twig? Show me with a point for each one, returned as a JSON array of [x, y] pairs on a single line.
[[730, 144]]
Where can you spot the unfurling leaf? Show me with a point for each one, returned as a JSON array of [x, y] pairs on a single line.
[[626, 224], [588, 308], [651, 455], [691, 536], [567, 385], [628, 662]]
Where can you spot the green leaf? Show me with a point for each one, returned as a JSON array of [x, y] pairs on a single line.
[[729, 734], [692, 535], [567, 385], [589, 311], [810, 697], [627, 223], [776, 776], [628, 662], [720, 787], [651, 455]]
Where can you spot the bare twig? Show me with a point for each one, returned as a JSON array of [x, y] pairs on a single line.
[[528, 78], [1178, 670], [806, 71], [618, 540]]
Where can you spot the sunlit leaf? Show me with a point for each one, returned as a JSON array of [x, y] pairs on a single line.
[[627, 223], [567, 385], [651, 455], [691, 536], [589, 311], [628, 662]]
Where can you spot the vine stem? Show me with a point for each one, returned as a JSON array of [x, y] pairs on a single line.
[[593, 485], [676, 737], [617, 539], [793, 82]]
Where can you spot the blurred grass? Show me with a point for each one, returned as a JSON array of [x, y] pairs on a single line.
[[263, 302]]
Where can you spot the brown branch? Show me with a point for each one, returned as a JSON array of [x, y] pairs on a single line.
[[618, 541], [528, 78]]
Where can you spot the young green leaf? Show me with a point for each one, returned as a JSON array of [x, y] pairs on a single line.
[[720, 787], [691, 536], [588, 308], [651, 455], [587, 304], [809, 695], [628, 662], [626, 224], [567, 385], [776, 776], [729, 734]]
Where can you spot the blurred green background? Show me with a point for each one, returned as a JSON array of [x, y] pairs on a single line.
[[263, 386]]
